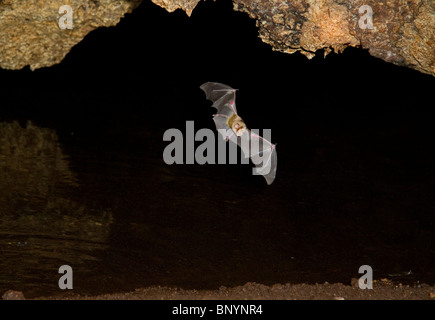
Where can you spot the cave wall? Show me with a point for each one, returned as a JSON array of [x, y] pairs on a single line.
[[403, 32], [30, 34]]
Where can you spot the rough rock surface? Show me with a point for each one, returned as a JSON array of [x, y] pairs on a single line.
[[403, 32], [171, 5], [30, 33], [382, 290]]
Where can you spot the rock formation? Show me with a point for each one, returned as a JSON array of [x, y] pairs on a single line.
[[400, 32], [30, 34]]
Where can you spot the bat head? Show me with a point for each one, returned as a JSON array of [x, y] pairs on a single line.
[[238, 126]]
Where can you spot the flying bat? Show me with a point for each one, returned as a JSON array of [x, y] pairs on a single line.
[[232, 127]]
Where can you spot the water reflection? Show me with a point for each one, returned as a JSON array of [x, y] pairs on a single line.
[[41, 226], [123, 219]]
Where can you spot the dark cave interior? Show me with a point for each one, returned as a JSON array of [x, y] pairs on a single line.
[[355, 179]]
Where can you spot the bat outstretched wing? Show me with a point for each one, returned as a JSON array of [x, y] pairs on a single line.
[[221, 95], [261, 152], [223, 98], [263, 155]]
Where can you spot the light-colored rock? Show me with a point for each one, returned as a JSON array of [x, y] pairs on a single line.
[[172, 5], [13, 295], [30, 34], [403, 32]]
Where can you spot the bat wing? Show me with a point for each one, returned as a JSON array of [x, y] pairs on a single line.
[[222, 96], [261, 151], [243, 141], [222, 126], [263, 155]]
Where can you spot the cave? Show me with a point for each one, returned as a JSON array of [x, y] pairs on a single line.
[[84, 184]]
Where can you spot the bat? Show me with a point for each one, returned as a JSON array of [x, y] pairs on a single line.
[[232, 127]]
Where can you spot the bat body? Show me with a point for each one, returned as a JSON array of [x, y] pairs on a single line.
[[232, 127]]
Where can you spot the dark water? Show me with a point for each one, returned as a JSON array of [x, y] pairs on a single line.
[[123, 219]]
